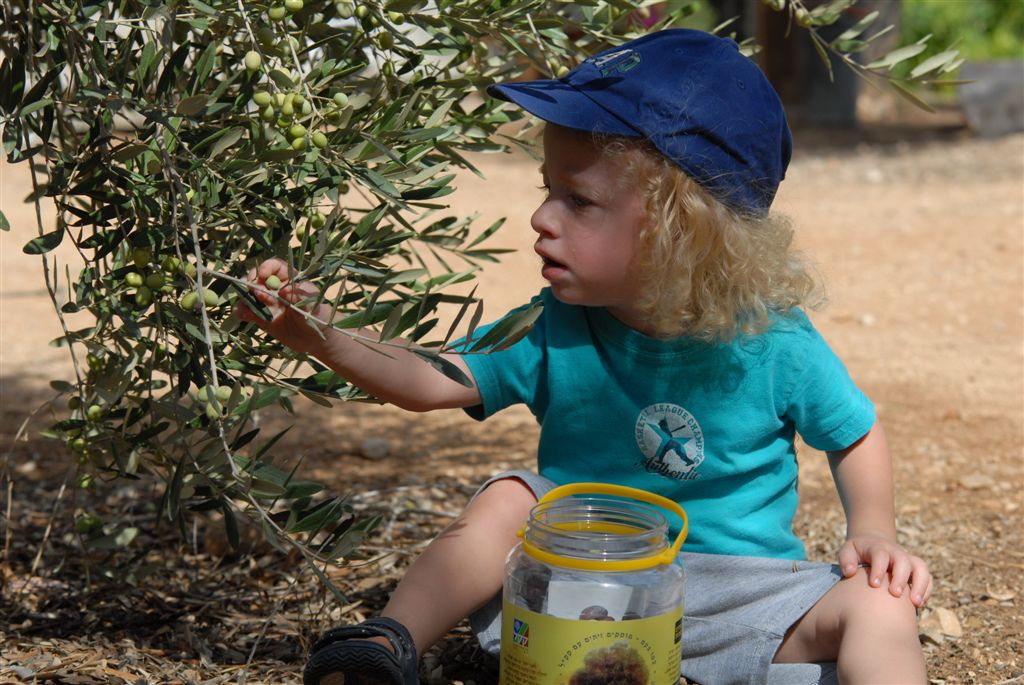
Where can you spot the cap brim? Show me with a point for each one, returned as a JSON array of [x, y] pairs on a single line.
[[559, 103]]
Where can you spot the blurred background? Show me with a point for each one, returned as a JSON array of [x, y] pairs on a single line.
[[989, 34], [915, 220]]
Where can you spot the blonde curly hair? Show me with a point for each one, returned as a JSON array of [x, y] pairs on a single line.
[[709, 272]]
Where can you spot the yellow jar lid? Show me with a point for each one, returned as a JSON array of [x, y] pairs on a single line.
[[666, 556]]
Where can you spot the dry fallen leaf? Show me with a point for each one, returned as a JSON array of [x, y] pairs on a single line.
[[1000, 595], [938, 624]]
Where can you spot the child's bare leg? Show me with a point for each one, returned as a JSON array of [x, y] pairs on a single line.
[[870, 634], [464, 566]]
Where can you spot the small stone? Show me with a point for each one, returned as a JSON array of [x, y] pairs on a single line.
[[931, 636], [949, 623], [866, 320], [375, 448], [929, 629], [976, 481], [430, 662], [952, 414]]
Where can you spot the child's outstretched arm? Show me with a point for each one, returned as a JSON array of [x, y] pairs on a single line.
[[863, 476], [389, 372]]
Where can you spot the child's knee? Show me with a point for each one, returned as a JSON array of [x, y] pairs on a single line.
[[508, 499], [851, 608], [862, 602]]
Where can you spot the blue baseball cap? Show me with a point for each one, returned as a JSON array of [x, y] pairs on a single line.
[[693, 95]]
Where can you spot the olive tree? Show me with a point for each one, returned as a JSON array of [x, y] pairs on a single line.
[[184, 141]]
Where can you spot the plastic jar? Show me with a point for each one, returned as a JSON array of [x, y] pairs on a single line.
[[593, 592]]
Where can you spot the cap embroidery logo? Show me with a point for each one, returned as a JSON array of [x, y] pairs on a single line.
[[620, 62]]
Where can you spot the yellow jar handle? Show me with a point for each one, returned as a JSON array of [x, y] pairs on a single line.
[[666, 557]]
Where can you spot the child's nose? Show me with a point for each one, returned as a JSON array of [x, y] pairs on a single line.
[[542, 220]]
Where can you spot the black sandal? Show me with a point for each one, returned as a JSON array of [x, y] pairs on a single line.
[[345, 652]]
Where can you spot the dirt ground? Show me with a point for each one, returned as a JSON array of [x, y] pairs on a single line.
[[917, 230]]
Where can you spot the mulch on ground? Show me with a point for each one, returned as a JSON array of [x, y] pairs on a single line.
[[205, 616]]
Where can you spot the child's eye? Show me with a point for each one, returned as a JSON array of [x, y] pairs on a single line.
[[578, 201]]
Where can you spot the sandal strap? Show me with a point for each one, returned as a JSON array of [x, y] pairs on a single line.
[[396, 633]]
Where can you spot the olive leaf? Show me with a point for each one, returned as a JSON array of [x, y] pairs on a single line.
[[44, 243]]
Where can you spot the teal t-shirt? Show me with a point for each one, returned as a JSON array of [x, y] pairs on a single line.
[[710, 426]]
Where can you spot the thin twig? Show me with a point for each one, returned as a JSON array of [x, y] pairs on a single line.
[[248, 26], [1009, 681], [433, 512], [397, 343], [7, 514], [990, 564], [243, 676], [407, 550], [6, 471], [200, 272], [49, 525]]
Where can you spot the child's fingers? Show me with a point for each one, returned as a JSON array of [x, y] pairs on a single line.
[[928, 590], [273, 267], [899, 574], [921, 582], [880, 559], [919, 593], [257, 276], [297, 292], [245, 313], [849, 559], [269, 299]]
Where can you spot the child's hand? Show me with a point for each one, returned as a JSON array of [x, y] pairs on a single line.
[[285, 324], [883, 556], [400, 376]]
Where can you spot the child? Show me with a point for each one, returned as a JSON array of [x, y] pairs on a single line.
[[674, 300]]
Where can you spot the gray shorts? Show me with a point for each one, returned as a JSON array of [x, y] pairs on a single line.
[[737, 610]]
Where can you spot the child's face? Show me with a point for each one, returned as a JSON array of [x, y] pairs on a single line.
[[587, 225]]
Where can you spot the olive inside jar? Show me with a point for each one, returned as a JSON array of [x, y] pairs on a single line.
[[594, 588]]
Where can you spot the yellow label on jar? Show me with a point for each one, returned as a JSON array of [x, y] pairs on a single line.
[[537, 649]]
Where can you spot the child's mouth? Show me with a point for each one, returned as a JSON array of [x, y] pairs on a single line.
[[551, 269]]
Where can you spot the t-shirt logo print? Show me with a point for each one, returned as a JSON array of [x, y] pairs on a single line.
[[671, 441]]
